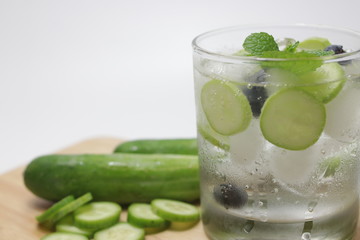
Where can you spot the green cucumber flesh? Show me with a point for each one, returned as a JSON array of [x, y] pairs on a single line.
[[226, 107], [121, 231], [63, 236], [54, 208], [314, 43], [123, 177], [142, 215], [97, 215], [292, 119], [213, 137], [175, 211], [166, 146], [67, 225]]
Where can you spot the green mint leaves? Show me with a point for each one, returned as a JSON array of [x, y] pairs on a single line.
[[257, 43], [264, 45]]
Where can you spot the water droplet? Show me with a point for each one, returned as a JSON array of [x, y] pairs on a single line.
[[323, 151], [249, 86]]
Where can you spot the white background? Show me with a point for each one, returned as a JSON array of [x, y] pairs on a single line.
[[77, 69]]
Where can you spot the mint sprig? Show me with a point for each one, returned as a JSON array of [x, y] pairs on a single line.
[[296, 62], [264, 45], [257, 43]]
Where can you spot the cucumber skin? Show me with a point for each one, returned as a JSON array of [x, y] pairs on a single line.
[[123, 178], [187, 146]]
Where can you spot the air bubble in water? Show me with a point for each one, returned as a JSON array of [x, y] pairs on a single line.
[[306, 236]]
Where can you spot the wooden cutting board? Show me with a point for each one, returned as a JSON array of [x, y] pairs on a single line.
[[18, 206]]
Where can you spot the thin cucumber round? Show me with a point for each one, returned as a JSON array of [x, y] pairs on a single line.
[[121, 231], [141, 215], [175, 211], [292, 119], [68, 208], [226, 108], [54, 208], [97, 215], [67, 225], [63, 236], [314, 43], [325, 82]]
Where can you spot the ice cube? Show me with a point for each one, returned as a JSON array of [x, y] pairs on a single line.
[[343, 115], [245, 147]]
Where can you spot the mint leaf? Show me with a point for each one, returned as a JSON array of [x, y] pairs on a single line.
[[292, 47], [297, 62], [257, 43]]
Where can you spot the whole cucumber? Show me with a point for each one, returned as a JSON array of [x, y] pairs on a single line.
[[121, 177], [186, 146]]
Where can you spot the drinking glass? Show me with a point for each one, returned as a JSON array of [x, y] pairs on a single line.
[[278, 137]]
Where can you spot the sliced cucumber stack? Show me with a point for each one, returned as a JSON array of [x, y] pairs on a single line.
[[292, 119], [226, 107], [54, 208]]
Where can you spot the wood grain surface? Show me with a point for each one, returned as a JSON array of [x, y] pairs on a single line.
[[18, 206]]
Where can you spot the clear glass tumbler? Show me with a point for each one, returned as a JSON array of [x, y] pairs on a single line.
[[278, 131]]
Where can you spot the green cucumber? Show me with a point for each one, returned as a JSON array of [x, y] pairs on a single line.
[[121, 231], [292, 119], [63, 236], [314, 43], [97, 215], [167, 146], [123, 177]]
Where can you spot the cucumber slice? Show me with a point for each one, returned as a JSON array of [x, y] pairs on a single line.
[[314, 43], [121, 231], [54, 208], [66, 224], [325, 83], [226, 107], [63, 236], [292, 119], [175, 211], [141, 215], [97, 215], [213, 137], [68, 208]]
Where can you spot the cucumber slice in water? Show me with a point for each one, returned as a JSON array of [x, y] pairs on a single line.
[[314, 43], [226, 107], [63, 236], [325, 83], [292, 119], [97, 215], [175, 211], [121, 231]]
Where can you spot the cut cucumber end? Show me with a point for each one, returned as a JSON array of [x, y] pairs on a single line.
[[226, 107], [292, 119]]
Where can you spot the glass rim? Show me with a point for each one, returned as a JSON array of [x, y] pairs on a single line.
[[235, 58]]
